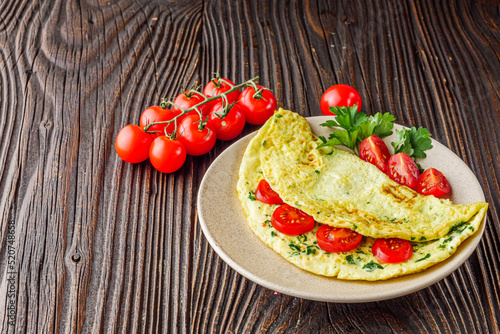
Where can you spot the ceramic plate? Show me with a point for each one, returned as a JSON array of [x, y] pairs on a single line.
[[227, 231]]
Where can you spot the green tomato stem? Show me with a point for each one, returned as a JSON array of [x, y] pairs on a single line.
[[234, 88]]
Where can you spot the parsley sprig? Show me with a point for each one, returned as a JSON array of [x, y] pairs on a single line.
[[413, 142], [356, 126]]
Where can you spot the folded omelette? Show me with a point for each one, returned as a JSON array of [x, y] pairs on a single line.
[[339, 189]]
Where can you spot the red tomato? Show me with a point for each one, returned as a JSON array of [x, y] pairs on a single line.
[[265, 194], [339, 96], [433, 182], [374, 151], [214, 87], [334, 240], [167, 155], [195, 141], [132, 144], [392, 250], [291, 221], [229, 127], [257, 111], [187, 100], [402, 169], [157, 114]]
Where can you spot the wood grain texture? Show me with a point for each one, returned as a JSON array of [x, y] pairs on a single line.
[[104, 246]]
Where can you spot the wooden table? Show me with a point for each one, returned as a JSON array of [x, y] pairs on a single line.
[[100, 245]]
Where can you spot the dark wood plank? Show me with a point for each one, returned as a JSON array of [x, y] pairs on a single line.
[[105, 246]]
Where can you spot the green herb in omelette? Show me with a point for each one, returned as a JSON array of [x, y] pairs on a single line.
[[251, 196], [350, 259], [372, 266], [424, 258], [294, 247]]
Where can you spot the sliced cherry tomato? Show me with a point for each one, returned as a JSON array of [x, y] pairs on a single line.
[[433, 182], [334, 239], [291, 221], [374, 151], [402, 169], [339, 96], [266, 194], [217, 87], [257, 110], [132, 144], [392, 250], [229, 127], [196, 142], [157, 114], [167, 155], [186, 100]]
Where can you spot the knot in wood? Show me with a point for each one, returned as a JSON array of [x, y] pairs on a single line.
[[76, 258]]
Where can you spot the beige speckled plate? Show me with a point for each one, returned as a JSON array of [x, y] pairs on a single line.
[[226, 229]]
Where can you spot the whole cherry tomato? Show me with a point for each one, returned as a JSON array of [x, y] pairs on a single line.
[[402, 169], [167, 155], [392, 250], [266, 194], [374, 151], [132, 144], [196, 141], [335, 239], [433, 182], [230, 126], [217, 87], [157, 114], [339, 96], [186, 100], [291, 221], [257, 110]]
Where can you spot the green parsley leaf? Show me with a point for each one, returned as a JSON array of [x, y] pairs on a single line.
[[347, 117], [273, 234], [412, 142], [356, 126], [379, 125], [372, 266], [350, 259]]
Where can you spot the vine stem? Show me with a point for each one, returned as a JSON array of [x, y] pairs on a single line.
[[234, 88]]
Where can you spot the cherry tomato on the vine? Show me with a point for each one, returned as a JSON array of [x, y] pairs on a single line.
[[339, 96], [167, 155], [334, 239], [157, 114], [392, 250], [374, 151], [266, 194], [217, 87], [291, 221], [186, 100], [402, 169], [433, 182], [132, 144], [196, 142], [230, 126], [257, 110]]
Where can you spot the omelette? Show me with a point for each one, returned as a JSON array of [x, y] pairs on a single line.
[[341, 190]]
